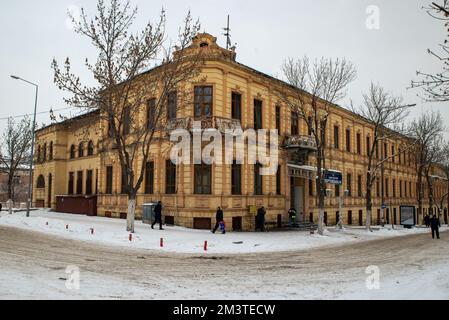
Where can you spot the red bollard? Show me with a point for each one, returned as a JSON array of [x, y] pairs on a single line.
[[162, 242], [205, 245], [130, 237]]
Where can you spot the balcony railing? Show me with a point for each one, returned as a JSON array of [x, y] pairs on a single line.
[[219, 123], [300, 142]]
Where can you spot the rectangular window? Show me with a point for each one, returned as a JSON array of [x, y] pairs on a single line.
[[236, 178], [368, 145], [359, 143], [109, 178], [348, 140], [172, 105], [149, 177], [377, 150], [337, 190], [400, 188], [336, 138], [71, 182], [257, 114], [359, 186], [394, 188], [236, 106], [126, 121], [278, 119], [257, 179], [89, 181], [392, 154], [203, 179], [278, 180], [203, 101], [386, 188], [405, 188], [310, 187], [294, 129], [348, 184], [170, 177], [385, 151], [151, 113], [79, 182], [124, 185]]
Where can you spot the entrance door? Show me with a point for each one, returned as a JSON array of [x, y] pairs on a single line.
[[299, 203]]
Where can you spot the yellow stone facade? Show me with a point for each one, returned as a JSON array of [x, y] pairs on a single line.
[[226, 76]]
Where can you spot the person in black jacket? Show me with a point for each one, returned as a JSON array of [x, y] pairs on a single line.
[[434, 225], [158, 215], [427, 220], [260, 219], [219, 218]]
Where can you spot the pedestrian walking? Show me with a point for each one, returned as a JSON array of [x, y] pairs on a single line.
[[158, 215], [219, 217], [292, 217], [1, 206], [435, 225], [427, 220], [260, 219]]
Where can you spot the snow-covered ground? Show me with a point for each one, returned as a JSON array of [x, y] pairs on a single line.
[[181, 240]]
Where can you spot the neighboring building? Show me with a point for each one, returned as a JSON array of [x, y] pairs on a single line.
[[75, 159], [20, 185]]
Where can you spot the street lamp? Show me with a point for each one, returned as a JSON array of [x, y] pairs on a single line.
[[340, 208], [30, 180]]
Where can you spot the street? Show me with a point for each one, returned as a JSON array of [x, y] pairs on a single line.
[[33, 266]]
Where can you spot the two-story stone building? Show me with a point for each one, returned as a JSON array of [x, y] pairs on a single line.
[[74, 161]]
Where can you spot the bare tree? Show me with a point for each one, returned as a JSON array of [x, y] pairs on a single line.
[[436, 157], [125, 91], [15, 150], [319, 86], [436, 86], [426, 130], [383, 111]]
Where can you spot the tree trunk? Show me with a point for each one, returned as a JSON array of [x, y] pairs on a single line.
[[369, 208], [420, 197], [131, 213], [10, 187]]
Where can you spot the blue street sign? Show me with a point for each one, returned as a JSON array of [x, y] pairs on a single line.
[[383, 206], [333, 177]]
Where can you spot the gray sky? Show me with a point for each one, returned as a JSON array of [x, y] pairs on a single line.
[[266, 32]]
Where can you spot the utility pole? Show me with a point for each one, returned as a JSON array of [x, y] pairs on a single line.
[[30, 170], [382, 187]]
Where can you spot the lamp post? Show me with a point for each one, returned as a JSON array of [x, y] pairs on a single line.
[[30, 172], [340, 208]]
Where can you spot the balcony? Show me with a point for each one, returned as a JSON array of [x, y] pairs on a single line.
[[300, 142], [219, 123]]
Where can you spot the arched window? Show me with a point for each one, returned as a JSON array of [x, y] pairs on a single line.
[[40, 182], [51, 151], [90, 148], [72, 151], [38, 157], [81, 150], [44, 156]]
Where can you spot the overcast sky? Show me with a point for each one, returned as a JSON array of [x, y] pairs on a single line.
[[266, 32]]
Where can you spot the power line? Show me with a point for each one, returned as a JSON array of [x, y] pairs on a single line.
[[30, 114]]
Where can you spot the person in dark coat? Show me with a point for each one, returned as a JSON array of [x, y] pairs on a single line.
[[427, 220], [434, 225], [292, 216], [1, 206], [219, 217], [158, 215], [260, 219]]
